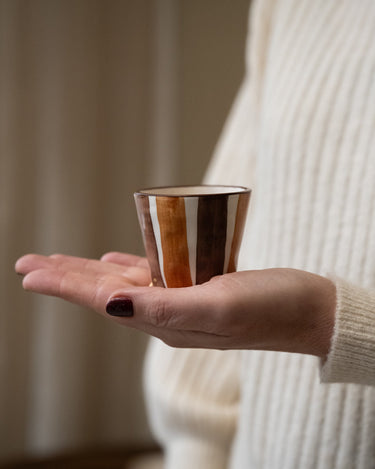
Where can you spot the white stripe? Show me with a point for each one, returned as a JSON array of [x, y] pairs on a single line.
[[191, 212], [156, 228], [231, 223]]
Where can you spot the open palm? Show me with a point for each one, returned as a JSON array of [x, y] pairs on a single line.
[[86, 282], [272, 309]]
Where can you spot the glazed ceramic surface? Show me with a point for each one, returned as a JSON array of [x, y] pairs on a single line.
[[191, 233]]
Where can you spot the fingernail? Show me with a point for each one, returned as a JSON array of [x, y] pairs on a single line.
[[122, 307]]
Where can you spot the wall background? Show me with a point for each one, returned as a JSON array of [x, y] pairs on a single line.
[[97, 99]]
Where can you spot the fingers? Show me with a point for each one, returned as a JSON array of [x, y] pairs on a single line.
[[135, 274], [115, 286], [89, 267], [89, 291], [30, 262], [159, 312], [125, 259]]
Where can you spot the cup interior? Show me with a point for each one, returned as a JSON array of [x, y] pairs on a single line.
[[192, 191]]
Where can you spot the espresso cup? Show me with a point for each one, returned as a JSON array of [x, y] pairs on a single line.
[[191, 233]]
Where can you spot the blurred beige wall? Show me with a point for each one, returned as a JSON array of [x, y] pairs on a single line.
[[212, 36], [97, 98]]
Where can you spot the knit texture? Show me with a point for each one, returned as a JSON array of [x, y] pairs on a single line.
[[301, 134], [352, 355]]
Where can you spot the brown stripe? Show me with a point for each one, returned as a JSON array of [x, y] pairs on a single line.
[[239, 226], [212, 232], [143, 210], [172, 222]]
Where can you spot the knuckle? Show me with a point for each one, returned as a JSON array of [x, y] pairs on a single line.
[[108, 254], [158, 314], [56, 256], [31, 258], [142, 262]]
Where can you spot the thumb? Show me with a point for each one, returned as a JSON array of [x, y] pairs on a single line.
[[188, 308]]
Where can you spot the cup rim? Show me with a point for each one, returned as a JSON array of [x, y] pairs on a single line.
[[158, 190]]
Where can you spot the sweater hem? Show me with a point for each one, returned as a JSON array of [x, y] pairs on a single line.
[[351, 358]]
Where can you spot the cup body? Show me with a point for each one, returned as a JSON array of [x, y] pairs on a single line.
[[191, 233]]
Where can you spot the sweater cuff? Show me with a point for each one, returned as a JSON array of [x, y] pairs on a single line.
[[190, 453], [352, 355]]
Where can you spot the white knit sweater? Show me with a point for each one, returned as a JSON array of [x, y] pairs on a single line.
[[302, 135]]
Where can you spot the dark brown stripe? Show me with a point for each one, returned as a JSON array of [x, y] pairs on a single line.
[[212, 232], [172, 222], [143, 210], [243, 203]]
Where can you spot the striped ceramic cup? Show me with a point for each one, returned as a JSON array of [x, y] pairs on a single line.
[[191, 233]]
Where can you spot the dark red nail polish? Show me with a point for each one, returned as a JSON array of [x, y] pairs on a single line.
[[121, 307]]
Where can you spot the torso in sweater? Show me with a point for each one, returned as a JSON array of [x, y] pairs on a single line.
[[302, 134], [314, 209]]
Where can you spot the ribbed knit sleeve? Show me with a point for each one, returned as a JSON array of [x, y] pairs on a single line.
[[192, 398], [352, 355]]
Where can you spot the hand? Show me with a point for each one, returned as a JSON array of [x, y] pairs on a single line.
[[86, 282], [274, 309]]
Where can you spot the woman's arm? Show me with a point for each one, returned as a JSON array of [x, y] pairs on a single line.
[[273, 309]]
